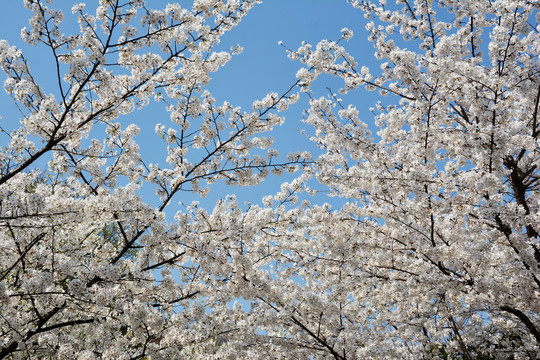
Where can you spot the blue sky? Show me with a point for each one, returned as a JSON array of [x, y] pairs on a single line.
[[262, 67]]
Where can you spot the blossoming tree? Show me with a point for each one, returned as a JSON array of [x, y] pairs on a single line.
[[435, 252], [79, 248]]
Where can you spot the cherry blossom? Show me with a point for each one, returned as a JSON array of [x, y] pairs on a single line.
[[433, 252], [89, 269]]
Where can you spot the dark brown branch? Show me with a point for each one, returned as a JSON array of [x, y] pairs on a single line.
[[64, 324], [318, 339], [507, 231], [462, 345], [28, 247], [524, 319], [8, 349], [168, 261]]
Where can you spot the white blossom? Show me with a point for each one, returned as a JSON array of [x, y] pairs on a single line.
[[430, 249]]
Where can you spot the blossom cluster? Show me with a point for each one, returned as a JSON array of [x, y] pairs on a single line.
[[433, 252]]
